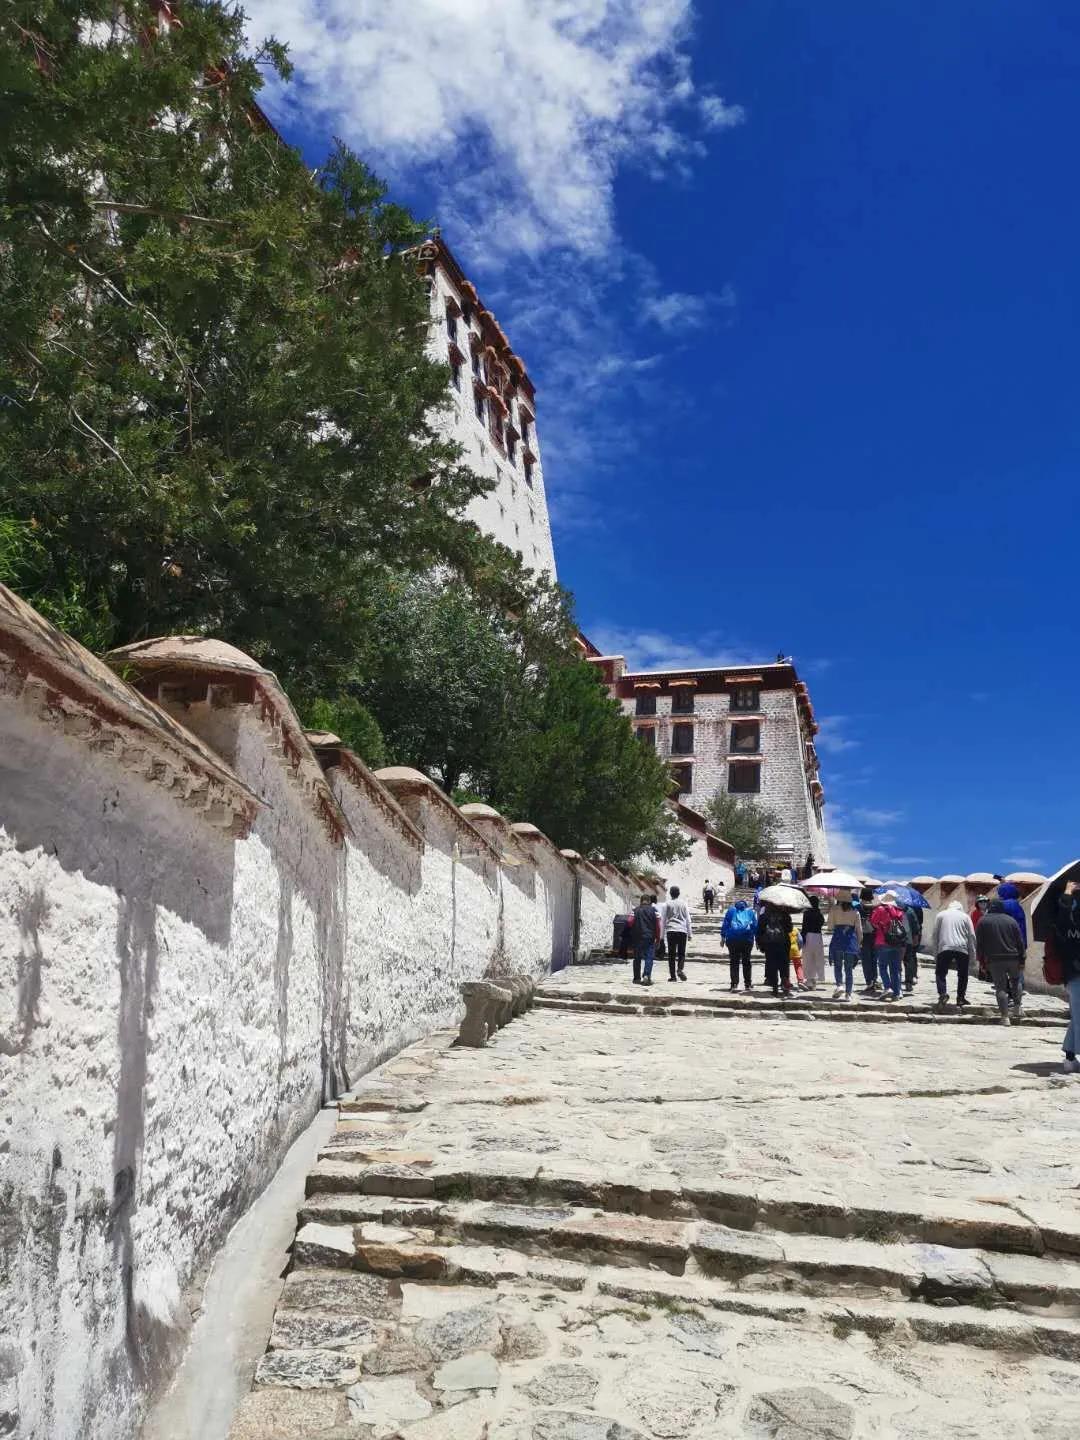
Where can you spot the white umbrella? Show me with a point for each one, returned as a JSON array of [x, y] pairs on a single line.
[[785, 897], [832, 880]]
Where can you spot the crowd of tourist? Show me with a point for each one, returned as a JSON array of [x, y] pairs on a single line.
[[879, 932]]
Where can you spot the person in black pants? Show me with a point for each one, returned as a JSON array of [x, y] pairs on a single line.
[[774, 942], [739, 953]]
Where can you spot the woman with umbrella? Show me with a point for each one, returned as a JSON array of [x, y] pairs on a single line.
[[775, 931]]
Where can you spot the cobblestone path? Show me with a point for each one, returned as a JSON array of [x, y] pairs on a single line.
[[643, 1216]]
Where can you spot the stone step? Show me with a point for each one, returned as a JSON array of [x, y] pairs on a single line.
[[802, 1005], [743, 1207], [405, 1238]]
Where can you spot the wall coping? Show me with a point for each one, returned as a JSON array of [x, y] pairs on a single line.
[[217, 663], [526, 831], [332, 754], [81, 693], [402, 780], [579, 862]]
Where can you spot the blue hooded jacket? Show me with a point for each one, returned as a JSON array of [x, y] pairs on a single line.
[[746, 928], [1010, 895]]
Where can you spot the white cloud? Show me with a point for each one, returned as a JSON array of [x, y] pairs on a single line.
[[878, 818], [660, 650], [832, 737], [719, 115], [1025, 862], [536, 103], [848, 851], [676, 311]]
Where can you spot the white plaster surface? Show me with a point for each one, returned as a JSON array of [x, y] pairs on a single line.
[[514, 512], [175, 1005]]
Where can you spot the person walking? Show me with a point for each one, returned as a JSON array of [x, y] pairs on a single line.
[[737, 932], [1010, 895], [677, 931], [845, 947], [646, 934], [740, 873], [1065, 938], [813, 946], [867, 906], [774, 941], [890, 937], [954, 948], [708, 896], [1000, 945], [913, 921]]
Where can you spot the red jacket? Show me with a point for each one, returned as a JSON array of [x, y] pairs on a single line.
[[881, 919]]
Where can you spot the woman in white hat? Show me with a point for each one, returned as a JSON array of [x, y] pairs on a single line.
[[845, 947], [890, 938]]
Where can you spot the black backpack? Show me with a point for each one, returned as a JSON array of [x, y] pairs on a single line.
[[774, 932], [896, 932]]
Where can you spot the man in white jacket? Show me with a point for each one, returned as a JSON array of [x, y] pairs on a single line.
[[954, 945], [677, 931]]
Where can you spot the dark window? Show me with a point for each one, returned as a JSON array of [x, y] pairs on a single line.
[[451, 323], [478, 403], [746, 736], [645, 733], [743, 779], [682, 740], [528, 472], [683, 776], [455, 376], [645, 704], [745, 697], [511, 447], [682, 700]]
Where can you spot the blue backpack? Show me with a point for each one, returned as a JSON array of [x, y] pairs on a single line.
[[742, 922]]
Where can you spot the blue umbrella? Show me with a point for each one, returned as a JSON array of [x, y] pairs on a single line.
[[906, 895]]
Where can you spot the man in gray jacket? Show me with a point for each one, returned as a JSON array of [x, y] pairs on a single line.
[[954, 946], [998, 941]]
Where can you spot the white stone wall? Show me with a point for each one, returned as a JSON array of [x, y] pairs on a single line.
[[175, 1004], [785, 783], [514, 512], [690, 874]]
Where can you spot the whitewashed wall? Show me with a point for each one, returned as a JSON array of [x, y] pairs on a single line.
[[179, 993]]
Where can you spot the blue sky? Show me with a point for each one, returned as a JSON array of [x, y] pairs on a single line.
[[797, 282]]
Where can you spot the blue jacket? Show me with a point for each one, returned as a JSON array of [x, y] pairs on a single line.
[[745, 930], [1011, 898]]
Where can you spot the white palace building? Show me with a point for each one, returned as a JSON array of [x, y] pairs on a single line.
[[493, 414], [745, 730]]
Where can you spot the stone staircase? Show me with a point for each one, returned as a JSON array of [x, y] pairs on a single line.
[[503, 1298]]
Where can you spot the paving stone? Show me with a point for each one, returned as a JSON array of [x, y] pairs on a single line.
[[631, 1233], [512, 1221], [484, 1264], [523, 1341], [1030, 1280], [476, 1371], [274, 1414], [307, 1369], [851, 1262], [800, 1414], [698, 1333], [321, 1245], [384, 1405], [460, 1331], [396, 1356], [559, 1274], [304, 1329], [669, 1407], [469, 1420], [416, 1262], [723, 1251], [565, 1425], [946, 1271], [342, 1293], [563, 1384]]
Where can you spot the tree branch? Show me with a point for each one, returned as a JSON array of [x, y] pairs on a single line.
[[123, 208]]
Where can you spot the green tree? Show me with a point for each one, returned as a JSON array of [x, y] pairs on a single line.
[[352, 723], [576, 769], [215, 403], [445, 677], [753, 829]]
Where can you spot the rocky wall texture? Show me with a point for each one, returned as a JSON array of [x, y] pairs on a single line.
[[202, 938]]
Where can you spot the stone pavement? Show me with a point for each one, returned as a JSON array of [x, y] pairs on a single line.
[[601, 1228]]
